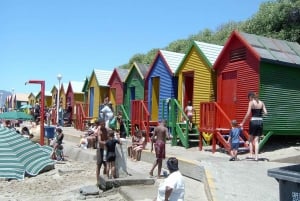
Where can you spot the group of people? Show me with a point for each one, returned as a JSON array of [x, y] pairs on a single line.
[[112, 121], [64, 115], [106, 142], [139, 143], [173, 187], [256, 109]]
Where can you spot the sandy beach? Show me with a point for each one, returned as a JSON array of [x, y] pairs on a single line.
[[65, 181], [60, 184]]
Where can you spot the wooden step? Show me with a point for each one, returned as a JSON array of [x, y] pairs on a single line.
[[193, 140]]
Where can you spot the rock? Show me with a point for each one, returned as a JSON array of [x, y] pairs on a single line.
[[89, 190]]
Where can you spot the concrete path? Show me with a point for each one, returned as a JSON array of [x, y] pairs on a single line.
[[208, 176]]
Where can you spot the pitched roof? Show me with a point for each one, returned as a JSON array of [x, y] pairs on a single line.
[[173, 59], [274, 49], [122, 73], [142, 68], [210, 51], [102, 76], [21, 97], [47, 93], [76, 86]]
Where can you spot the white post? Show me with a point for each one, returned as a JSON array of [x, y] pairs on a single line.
[[1, 101], [12, 99], [59, 76]]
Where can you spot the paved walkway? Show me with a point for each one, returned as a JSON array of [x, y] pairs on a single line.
[[209, 176]]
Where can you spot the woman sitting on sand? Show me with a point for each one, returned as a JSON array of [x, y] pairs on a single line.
[[58, 141]]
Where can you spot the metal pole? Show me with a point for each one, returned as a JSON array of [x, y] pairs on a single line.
[[42, 131], [12, 99]]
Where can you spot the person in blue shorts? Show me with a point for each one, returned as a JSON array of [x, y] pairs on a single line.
[[234, 139]]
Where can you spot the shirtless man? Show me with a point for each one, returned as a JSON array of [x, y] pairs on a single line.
[[101, 138], [159, 139]]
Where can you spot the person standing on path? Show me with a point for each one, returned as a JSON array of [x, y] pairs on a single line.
[[159, 138], [234, 140], [257, 109], [101, 138]]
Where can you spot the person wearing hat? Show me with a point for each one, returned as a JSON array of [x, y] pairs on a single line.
[[173, 187], [107, 110]]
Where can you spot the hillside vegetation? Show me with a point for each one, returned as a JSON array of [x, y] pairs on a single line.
[[278, 19]]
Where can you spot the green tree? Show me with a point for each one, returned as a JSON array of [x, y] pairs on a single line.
[[278, 19]]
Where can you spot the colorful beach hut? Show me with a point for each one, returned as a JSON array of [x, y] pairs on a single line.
[[196, 79], [116, 83], [81, 108], [31, 99], [62, 94], [47, 100], [98, 90], [264, 65], [74, 92], [196, 83], [162, 84], [54, 93], [135, 85]]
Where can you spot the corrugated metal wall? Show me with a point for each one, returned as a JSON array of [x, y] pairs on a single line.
[[78, 97], [118, 85], [31, 99], [203, 80], [247, 80], [96, 101], [280, 91], [62, 97], [133, 80]]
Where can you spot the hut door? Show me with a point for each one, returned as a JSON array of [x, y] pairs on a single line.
[[155, 98], [188, 88], [132, 93], [132, 97], [91, 109], [228, 93]]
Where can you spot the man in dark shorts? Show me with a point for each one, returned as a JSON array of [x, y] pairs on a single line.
[[159, 140], [102, 137]]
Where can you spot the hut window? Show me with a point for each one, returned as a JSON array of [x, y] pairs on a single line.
[[238, 54]]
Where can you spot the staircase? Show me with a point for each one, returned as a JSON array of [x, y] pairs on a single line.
[[140, 117], [81, 117], [126, 120], [215, 122], [179, 127]]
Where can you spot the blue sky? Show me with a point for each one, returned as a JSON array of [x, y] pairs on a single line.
[[40, 39]]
